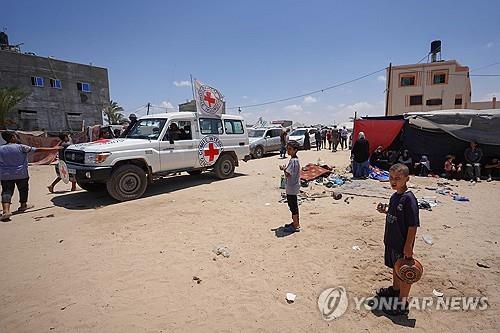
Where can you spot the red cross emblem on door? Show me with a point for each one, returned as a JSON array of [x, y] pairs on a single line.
[[209, 150]]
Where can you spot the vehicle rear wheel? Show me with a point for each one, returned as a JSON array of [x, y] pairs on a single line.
[[259, 152], [127, 182], [93, 187], [195, 172], [224, 168]]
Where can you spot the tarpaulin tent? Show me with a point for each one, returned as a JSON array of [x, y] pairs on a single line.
[[436, 134], [379, 131]]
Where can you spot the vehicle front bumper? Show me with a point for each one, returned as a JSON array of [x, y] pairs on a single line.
[[88, 174]]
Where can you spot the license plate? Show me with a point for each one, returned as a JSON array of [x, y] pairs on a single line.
[[72, 171]]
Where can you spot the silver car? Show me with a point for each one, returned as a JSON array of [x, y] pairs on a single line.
[[264, 140]]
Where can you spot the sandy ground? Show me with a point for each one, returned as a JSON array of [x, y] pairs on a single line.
[[90, 264]]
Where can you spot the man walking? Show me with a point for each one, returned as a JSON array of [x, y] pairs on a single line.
[[14, 172], [335, 138], [343, 137]]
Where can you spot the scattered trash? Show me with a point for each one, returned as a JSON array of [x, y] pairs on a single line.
[[222, 250], [336, 195], [427, 203], [67, 306], [267, 204], [460, 198], [197, 279], [38, 218], [446, 226], [482, 265], [290, 298], [437, 293], [60, 241], [356, 248], [427, 239]]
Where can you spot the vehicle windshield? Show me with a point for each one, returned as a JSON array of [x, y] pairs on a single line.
[[298, 132], [147, 129], [256, 133]]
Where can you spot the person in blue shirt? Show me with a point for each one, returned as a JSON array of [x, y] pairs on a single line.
[[14, 172], [402, 220]]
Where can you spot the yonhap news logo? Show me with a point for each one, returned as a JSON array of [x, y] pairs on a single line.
[[333, 302]]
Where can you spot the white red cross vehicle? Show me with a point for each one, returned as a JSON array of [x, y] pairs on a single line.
[[157, 146]]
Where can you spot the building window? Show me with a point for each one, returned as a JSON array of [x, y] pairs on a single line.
[[55, 83], [406, 80], [458, 101], [74, 121], [416, 100], [37, 81], [434, 101], [83, 86], [439, 78], [28, 120]]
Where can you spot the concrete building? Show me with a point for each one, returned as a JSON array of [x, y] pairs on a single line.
[[437, 85], [60, 95]]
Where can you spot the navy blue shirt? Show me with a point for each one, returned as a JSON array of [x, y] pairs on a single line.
[[402, 214]]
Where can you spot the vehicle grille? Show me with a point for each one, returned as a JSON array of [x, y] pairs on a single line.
[[74, 156]]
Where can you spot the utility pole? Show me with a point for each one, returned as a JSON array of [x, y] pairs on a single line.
[[388, 90], [149, 104]]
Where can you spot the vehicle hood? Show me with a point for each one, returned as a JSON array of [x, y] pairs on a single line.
[[296, 137], [112, 145]]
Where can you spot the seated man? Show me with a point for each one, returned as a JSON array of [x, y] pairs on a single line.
[[377, 159], [173, 132], [473, 156], [493, 168], [423, 167]]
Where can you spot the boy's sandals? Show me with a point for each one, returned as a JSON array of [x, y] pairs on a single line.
[[399, 310], [387, 292], [51, 189], [5, 217], [289, 228]]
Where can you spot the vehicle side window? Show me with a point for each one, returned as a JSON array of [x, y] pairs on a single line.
[[276, 133], [233, 126], [179, 130], [210, 126]]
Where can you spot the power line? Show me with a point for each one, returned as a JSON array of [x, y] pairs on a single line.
[[483, 67], [306, 94]]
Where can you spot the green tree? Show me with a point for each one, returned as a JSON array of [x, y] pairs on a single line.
[[9, 97], [112, 111]]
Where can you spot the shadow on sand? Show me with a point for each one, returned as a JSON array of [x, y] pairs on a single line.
[[82, 200], [402, 320], [282, 232]]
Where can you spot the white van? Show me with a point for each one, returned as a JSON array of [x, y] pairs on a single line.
[[156, 146]]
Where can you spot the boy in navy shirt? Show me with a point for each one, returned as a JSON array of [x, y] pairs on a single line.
[[401, 225]]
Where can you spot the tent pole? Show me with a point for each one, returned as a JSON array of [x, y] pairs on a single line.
[[388, 90]]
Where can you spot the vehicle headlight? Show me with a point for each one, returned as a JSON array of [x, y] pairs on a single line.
[[96, 158]]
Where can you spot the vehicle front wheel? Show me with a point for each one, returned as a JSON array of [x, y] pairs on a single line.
[[224, 168], [92, 187], [127, 182], [259, 152]]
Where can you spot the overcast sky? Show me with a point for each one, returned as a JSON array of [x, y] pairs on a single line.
[[256, 51]]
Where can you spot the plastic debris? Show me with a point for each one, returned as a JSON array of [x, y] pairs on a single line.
[[222, 250], [267, 204], [356, 248], [482, 265], [437, 293], [460, 198], [290, 297], [427, 239]]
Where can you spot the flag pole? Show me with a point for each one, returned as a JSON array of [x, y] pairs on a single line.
[[195, 103]]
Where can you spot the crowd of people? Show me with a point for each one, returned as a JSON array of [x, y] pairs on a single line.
[[472, 167]]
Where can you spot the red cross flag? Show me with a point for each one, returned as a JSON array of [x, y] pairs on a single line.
[[209, 101]]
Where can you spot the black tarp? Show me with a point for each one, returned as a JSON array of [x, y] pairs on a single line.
[[436, 144]]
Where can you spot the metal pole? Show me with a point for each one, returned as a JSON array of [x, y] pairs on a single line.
[[149, 104], [388, 90]]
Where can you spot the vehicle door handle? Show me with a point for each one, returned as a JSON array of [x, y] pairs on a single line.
[[168, 148], [241, 143]]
